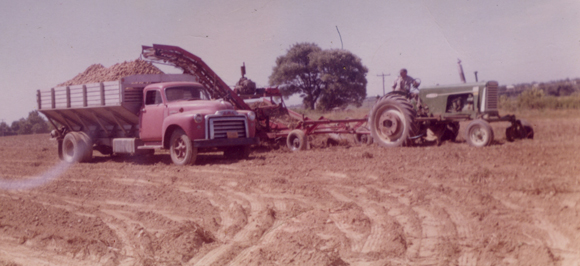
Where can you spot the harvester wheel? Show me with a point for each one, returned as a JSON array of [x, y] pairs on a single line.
[[237, 152], [361, 138], [182, 150], [479, 133], [521, 129], [526, 132], [510, 133], [392, 121], [450, 132], [454, 130], [296, 140], [76, 147]]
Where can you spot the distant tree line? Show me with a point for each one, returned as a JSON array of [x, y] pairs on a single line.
[[564, 87], [34, 124], [562, 94]]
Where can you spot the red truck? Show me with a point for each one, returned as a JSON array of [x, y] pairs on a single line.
[[142, 113]]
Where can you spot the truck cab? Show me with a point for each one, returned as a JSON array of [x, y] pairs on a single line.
[[181, 117]]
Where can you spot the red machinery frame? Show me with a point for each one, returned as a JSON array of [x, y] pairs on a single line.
[[269, 128]]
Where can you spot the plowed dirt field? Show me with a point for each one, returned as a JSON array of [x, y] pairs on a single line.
[[508, 204]]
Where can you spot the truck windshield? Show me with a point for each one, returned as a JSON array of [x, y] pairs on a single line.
[[186, 93]]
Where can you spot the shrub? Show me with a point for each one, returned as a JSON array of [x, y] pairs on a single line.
[[531, 99], [536, 99]]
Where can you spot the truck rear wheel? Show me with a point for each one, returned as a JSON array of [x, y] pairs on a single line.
[[479, 133], [181, 148], [76, 147], [392, 121]]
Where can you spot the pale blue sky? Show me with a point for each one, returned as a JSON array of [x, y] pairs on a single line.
[[47, 42]]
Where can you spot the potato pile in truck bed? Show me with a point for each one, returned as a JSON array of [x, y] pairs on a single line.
[[98, 73]]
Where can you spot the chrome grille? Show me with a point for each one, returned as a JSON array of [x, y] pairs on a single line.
[[220, 126], [491, 97]]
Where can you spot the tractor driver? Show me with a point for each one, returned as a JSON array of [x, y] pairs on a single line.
[[409, 85], [405, 83]]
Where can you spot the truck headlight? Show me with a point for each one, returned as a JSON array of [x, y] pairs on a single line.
[[198, 118], [251, 116]]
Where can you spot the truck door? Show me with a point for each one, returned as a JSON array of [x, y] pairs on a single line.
[[152, 115]]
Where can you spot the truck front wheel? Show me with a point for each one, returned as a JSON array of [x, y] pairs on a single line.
[[181, 149], [76, 147]]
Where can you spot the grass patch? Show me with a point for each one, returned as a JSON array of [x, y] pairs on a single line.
[[348, 113]]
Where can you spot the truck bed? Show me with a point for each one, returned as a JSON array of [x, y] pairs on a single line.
[[110, 105]]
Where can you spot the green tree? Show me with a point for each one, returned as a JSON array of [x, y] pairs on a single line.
[[330, 77], [15, 126], [24, 127], [344, 78], [5, 130], [37, 122]]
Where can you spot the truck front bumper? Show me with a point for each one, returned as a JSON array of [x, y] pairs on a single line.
[[206, 143]]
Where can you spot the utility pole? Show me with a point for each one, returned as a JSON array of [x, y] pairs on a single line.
[[341, 47], [460, 68], [383, 75], [2, 127]]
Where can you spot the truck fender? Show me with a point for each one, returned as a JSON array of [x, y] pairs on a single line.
[[186, 122]]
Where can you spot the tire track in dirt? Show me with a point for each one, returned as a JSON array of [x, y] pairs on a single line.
[[432, 233], [552, 239], [258, 221], [380, 238], [464, 231], [333, 206]]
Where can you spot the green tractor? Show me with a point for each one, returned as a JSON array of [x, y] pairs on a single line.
[[399, 119]]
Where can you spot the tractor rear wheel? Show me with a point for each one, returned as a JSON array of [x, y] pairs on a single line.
[[392, 121], [479, 133]]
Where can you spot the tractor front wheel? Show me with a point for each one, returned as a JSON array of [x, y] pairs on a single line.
[[479, 133]]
